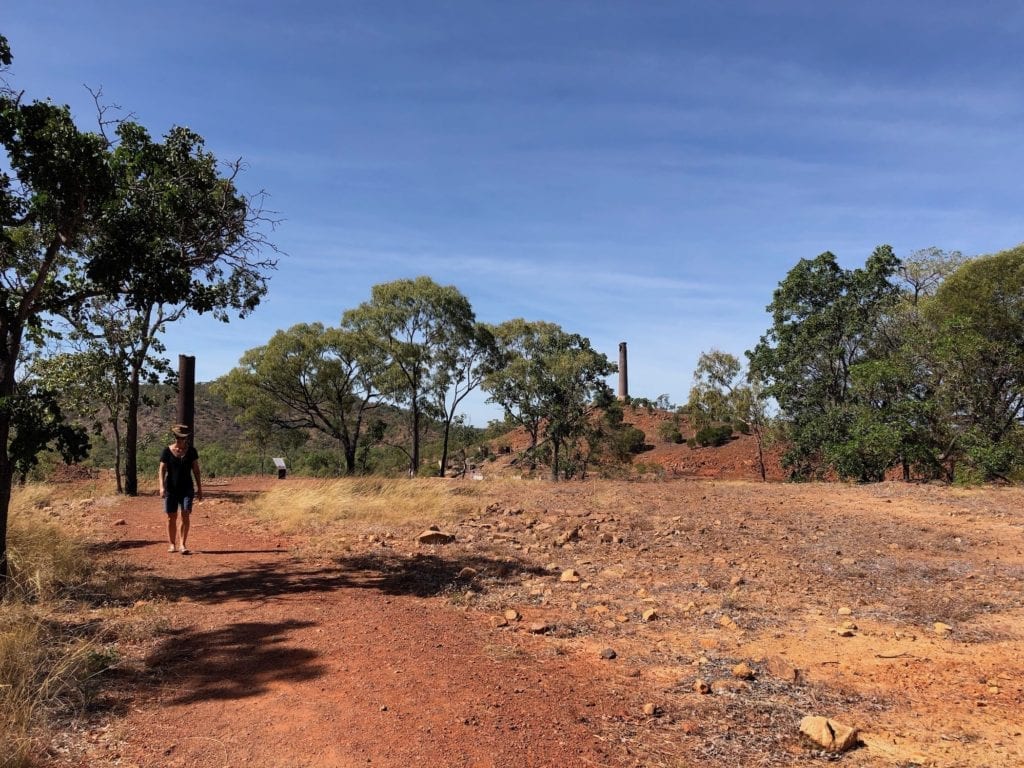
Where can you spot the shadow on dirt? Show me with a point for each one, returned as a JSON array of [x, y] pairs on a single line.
[[107, 547], [421, 575], [425, 575], [233, 662]]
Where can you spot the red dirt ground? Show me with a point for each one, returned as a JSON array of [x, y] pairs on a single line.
[[272, 651]]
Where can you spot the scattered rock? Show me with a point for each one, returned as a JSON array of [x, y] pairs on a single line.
[[700, 686], [539, 628], [608, 653], [942, 629], [651, 709], [122, 521], [565, 538], [650, 614], [844, 611], [729, 686], [828, 734], [467, 573], [569, 575], [511, 614], [498, 621], [781, 669], [742, 671], [434, 536]]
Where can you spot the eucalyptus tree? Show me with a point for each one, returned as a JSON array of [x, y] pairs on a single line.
[[723, 392], [547, 381], [430, 346], [825, 321], [86, 215], [978, 313], [181, 239], [308, 378]]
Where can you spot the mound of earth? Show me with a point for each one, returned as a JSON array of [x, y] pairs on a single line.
[[736, 460]]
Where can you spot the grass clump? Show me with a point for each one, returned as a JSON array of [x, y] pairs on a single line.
[[50, 659], [384, 501]]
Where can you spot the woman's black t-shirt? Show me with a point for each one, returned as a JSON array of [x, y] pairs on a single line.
[[179, 472]]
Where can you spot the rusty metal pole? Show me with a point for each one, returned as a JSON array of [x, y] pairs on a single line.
[[187, 393], [623, 374]]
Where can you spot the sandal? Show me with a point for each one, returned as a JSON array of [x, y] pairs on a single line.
[[172, 548], [185, 551]]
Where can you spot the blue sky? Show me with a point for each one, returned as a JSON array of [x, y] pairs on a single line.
[[635, 171]]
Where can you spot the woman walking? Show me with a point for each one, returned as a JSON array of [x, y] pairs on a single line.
[[178, 463]]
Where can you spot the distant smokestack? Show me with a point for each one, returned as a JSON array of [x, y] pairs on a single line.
[[623, 374]]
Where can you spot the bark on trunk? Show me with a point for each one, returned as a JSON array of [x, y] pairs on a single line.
[[131, 448]]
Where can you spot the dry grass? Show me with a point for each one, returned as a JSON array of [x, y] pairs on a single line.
[[330, 505], [50, 657]]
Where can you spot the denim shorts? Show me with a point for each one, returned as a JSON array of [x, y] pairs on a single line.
[[171, 504]]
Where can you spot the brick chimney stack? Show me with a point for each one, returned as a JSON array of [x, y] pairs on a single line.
[[623, 375]]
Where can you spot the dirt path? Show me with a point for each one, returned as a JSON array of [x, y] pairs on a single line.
[[269, 661]]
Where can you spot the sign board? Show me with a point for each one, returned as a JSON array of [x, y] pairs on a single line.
[[279, 463]]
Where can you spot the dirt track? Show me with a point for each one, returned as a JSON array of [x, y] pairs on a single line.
[[276, 653]]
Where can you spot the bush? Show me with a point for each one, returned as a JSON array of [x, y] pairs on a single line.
[[669, 432], [629, 440], [714, 436], [741, 426]]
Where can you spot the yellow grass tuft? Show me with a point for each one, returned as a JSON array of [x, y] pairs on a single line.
[[316, 506], [49, 657]]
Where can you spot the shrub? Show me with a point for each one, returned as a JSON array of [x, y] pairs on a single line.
[[669, 432], [714, 436], [629, 440]]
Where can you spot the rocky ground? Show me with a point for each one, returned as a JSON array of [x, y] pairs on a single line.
[[656, 623]]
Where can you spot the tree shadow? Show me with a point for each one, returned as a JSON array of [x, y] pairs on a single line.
[[107, 547], [419, 575], [429, 574], [233, 662]]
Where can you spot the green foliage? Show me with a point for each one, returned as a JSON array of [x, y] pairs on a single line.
[[713, 436], [825, 320], [669, 432], [432, 351], [546, 380], [308, 378]]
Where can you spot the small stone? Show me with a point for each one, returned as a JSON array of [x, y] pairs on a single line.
[[844, 611], [569, 575], [539, 628], [742, 671], [467, 573], [828, 734], [122, 521], [565, 538], [942, 629], [434, 536], [512, 614], [650, 709], [779, 668], [650, 614], [701, 687], [498, 621], [608, 653]]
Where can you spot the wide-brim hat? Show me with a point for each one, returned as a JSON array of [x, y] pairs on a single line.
[[181, 430]]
